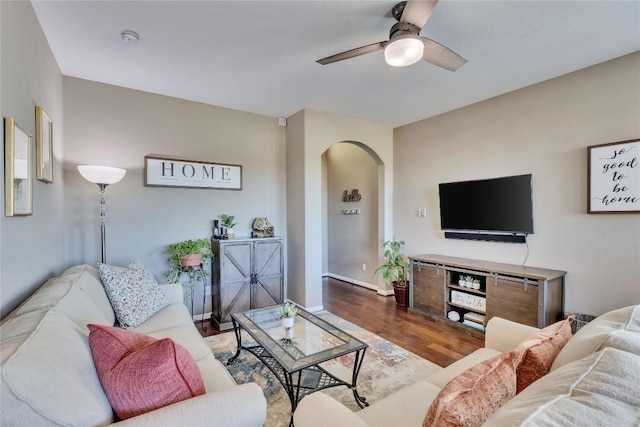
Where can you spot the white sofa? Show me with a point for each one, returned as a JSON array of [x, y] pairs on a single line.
[[594, 381], [48, 374]]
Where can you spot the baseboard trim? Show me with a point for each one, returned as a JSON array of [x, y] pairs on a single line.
[[362, 284], [201, 317]]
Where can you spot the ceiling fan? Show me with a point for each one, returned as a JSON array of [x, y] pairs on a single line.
[[405, 46]]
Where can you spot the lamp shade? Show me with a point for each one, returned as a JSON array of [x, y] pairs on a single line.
[[101, 174], [404, 51]]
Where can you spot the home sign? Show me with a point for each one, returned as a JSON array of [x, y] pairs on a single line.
[[167, 172]]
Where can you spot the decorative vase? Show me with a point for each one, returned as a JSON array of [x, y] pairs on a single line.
[[462, 283], [229, 233], [287, 322]]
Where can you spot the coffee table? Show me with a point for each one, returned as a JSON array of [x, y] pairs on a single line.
[[295, 358]]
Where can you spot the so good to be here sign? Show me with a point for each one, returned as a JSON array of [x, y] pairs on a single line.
[[166, 172], [614, 177]]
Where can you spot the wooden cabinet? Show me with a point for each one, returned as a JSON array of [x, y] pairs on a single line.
[[245, 274], [513, 300], [428, 288], [528, 295]]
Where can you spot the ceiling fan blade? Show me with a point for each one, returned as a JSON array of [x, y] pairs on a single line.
[[416, 12], [362, 50], [441, 56]]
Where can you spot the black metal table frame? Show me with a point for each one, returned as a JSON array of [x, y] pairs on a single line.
[[292, 381]]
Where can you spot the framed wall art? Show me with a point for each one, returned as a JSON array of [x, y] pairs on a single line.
[[18, 181], [168, 172], [614, 177], [44, 146]]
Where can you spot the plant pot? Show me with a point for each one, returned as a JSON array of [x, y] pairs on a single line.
[[191, 260], [287, 322], [229, 233], [401, 293]]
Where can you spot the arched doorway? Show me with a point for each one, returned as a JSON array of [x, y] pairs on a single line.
[[353, 178]]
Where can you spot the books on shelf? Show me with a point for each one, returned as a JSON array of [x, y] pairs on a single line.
[[473, 325], [474, 320]]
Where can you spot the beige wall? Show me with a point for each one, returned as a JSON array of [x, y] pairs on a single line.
[[544, 130], [309, 134], [114, 126], [352, 240], [30, 246]]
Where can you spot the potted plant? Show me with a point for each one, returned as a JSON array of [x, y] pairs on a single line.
[[186, 258], [287, 312], [227, 222], [395, 270]]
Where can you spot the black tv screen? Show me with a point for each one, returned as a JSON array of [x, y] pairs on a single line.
[[498, 204]]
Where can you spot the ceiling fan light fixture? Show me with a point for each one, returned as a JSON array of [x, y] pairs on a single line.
[[404, 51]]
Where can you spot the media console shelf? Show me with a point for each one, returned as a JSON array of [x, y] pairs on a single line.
[[529, 295]]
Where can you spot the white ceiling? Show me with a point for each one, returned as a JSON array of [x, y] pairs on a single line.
[[259, 56]]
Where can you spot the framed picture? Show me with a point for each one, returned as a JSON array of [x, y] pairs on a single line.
[[18, 181], [44, 146], [167, 172], [614, 177]]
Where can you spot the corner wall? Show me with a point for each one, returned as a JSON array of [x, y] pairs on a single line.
[[114, 126], [309, 134], [31, 247], [544, 130]]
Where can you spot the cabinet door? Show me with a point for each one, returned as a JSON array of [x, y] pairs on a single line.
[[509, 299], [428, 289], [235, 278], [267, 271]]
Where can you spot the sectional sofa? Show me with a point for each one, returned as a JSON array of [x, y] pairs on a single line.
[[594, 380], [48, 373]]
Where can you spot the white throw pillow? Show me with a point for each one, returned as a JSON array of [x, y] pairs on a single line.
[[134, 293]]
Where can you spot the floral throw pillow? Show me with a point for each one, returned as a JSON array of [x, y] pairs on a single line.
[[133, 292]]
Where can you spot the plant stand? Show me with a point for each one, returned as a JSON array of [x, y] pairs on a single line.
[[198, 269]]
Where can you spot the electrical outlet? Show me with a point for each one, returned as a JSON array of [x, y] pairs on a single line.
[[364, 267], [207, 290], [422, 212]]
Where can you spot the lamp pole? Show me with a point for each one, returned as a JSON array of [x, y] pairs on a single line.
[[102, 176], [103, 222]]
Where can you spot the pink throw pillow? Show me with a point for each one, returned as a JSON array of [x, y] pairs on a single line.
[[140, 373], [540, 350], [474, 395]]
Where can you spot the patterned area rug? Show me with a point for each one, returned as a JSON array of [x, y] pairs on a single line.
[[386, 368]]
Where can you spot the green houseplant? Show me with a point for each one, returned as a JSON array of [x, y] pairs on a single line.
[[395, 270], [227, 222], [287, 312], [186, 258]]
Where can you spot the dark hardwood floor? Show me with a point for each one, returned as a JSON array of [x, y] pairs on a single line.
[[364, 307]]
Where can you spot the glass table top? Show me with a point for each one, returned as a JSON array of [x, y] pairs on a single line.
[[314, 340]]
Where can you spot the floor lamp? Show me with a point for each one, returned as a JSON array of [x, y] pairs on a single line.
[[102, 176]]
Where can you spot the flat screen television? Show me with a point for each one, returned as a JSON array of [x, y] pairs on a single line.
[[488, 205]]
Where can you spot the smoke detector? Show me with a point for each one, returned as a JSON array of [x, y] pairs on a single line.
[[130, 37]]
